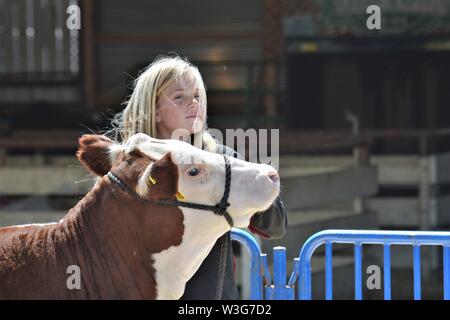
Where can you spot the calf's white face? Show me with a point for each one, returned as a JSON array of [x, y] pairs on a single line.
[[201, 177]]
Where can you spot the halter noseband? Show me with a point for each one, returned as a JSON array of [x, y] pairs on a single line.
[[219, 209]]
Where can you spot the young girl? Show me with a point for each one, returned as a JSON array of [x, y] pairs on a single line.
[[169, 101]]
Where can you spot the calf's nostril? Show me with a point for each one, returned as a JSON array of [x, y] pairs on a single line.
[[274, 176]]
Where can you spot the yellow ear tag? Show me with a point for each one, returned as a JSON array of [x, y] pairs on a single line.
[[152, 180], [180, 196]]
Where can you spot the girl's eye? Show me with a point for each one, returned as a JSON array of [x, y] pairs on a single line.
[[178, 97], [193, 172]]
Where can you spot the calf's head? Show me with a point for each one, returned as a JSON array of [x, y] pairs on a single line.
[[170, 169]]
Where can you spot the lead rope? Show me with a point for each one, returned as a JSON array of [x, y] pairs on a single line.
[[224, 244], [222, 266]]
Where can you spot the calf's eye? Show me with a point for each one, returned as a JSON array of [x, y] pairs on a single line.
[[193, 172]]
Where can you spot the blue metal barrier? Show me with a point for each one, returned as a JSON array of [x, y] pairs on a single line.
[[256, 265], [302, 265]]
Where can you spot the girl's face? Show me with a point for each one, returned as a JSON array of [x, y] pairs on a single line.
[[179, 107]]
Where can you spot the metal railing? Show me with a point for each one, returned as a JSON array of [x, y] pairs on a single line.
[[256, 263], [302, 274]]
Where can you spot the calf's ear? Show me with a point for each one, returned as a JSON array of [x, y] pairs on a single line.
[[97, 153]]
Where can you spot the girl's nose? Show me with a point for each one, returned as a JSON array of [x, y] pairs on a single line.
[[194, 103]]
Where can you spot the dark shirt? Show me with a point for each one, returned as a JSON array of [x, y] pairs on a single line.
[[269, 224]]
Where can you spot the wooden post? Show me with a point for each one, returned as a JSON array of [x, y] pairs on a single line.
[[88, 52], [424, 184], [270, 98], [424, 201], [272, 46], [360, 156], [2, 157]]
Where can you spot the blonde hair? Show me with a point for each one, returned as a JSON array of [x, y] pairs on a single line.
[[139, 114]]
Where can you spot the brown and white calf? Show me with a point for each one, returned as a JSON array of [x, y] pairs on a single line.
[[129, 249]]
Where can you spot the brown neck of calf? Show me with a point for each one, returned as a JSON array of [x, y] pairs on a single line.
[[109, 235], [119, 235]]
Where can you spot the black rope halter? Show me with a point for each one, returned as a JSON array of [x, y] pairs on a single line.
[[219, 209]]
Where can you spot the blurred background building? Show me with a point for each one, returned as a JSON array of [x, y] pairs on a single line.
[[363, 114]]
